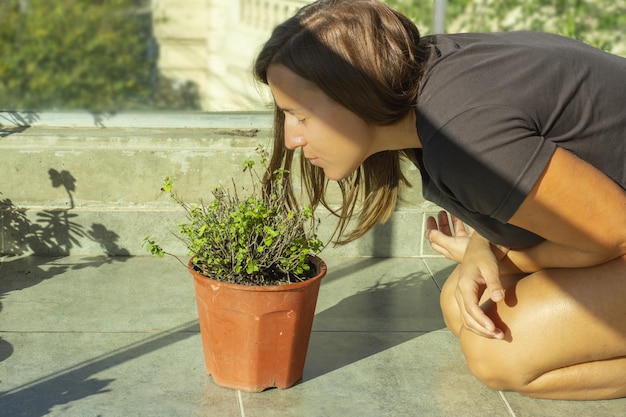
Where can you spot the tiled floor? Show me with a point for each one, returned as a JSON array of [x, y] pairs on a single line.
[[118, 337]]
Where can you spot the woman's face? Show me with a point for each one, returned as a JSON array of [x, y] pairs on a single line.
[[331, 136]]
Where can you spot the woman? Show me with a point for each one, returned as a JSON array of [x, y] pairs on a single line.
[[521, 136]]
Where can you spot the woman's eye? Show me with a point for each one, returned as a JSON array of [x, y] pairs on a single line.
[[289, 114]]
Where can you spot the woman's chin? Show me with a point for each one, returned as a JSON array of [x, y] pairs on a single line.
[[336, 176]]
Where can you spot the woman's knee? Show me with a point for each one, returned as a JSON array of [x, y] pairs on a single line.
[[491, 366], [449, 306]]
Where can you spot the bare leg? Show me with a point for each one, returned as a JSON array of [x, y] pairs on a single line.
[[565, 334]]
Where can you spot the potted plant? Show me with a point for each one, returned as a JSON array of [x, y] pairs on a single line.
[[256, 277]]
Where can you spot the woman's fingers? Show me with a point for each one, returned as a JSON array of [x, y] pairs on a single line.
[[444, 223], [451, 247], [440, 223], [458, 226], [441, 250], [491, 274], [438, 235], [470, 287], [431, 224], [475, 319]]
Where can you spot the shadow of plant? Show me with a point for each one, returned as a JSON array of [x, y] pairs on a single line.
[[53, 234], [15, 122]]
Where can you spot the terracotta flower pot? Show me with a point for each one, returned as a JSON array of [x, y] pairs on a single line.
[[256, 337]]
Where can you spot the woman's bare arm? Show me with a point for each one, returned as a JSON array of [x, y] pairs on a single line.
[[578, 210]]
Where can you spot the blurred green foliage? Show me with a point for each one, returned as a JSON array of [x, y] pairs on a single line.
[[419, 11], [75, 54], [100, 55], [600, 23]]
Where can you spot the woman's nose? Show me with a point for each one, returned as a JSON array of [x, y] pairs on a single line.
[[294, 137], [293, 142]]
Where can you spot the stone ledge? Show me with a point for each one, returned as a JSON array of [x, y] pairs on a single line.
[[120, 232], [83, 189]]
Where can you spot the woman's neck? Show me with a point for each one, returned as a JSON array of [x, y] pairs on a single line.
[[400, 135]]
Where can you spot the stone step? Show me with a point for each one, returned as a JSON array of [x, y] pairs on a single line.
[[80, 184]]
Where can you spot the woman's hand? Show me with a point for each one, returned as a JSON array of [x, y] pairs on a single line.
[[450, 242], [479, 272]]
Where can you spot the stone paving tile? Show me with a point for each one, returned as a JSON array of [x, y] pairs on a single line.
[[378, 294], [381, 374], [110, 374], [440, 269], [115, 337], [522, 406], [107, 294], [532, 407]]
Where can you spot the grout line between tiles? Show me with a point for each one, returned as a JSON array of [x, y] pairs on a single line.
[[240, 401], [506, 403], [422, 234], [432, 275]]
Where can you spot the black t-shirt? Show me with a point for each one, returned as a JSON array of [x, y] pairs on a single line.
[[491, 110]]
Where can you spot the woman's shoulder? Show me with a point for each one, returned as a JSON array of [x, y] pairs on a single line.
[[535, 73]]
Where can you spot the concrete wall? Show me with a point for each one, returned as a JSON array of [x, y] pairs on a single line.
[[90, 184]]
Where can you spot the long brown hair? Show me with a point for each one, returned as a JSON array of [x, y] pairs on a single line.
[[368, 58]]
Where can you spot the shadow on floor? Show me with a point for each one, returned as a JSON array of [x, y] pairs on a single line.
[[373, 320], [19, 273], [53, 234], [37, 398]]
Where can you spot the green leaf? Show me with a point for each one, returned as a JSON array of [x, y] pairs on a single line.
[[167, 184], [247, 164]]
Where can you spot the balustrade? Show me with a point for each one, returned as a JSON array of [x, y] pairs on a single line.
[[266, 14]]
